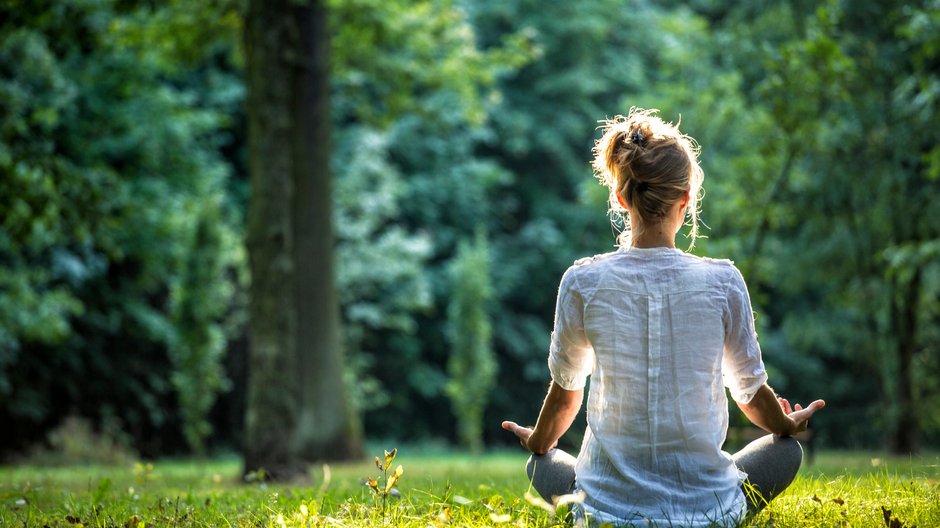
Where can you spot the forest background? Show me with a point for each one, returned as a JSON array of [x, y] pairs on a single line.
[[462, 133]]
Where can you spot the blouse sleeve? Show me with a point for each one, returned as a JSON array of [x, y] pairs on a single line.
[[571, 356], [742, 368]]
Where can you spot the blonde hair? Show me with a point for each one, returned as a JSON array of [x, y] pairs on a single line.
[[651, 165]]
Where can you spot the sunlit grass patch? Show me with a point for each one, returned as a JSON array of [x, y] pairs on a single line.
[[875, 500], [860, 489], [435, 489]]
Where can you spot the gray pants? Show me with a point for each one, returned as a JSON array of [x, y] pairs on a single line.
[[771, 463]]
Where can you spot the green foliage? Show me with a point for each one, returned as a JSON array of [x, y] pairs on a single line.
[[409, 185], [430, 60], [200, 302], [122, 276], [472, 365], [850, 190], [380, 277], [105, 161]]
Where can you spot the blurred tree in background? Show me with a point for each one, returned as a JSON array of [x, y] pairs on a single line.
[[472, 365], [123, 193]]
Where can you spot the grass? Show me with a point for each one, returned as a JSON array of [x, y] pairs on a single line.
[[436, 489]]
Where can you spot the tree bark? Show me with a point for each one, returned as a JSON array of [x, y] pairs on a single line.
[[326, 425], [905, 431], [297, 408]]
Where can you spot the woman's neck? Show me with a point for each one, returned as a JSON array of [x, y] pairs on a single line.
[[660, 234], [654, 238]]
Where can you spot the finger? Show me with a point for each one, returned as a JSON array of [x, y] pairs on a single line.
[[813, 407], [816, 405], [512, 427], [522, 432], [805, 414], [785, 405], [798, 407]]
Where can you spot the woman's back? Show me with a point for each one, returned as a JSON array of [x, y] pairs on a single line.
[[653, 326], [660, 333]]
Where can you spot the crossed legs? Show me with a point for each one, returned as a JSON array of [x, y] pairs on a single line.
[[551, 474], [771, 463]]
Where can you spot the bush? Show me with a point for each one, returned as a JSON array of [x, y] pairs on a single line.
[[74, 441]]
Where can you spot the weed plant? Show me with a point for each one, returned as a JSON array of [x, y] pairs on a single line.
[[438, 490]]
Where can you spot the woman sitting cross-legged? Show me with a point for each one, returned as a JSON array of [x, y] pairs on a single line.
[[662, 333]]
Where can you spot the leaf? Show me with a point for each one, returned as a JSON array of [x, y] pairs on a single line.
[[539, 502], [389, 457], [378, 464], [839, 501], [890, 520], [445, 516], [499, 519], [463, 501], [393, 478], [494, 502], [372, 484]]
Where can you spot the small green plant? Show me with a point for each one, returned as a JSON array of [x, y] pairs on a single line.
[[387, 486]]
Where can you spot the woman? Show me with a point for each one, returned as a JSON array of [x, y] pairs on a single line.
[[661, 333]]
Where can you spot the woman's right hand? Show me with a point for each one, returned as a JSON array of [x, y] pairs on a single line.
[[524, 434]]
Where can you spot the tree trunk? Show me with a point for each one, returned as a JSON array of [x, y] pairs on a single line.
[[327, 427], [297, 409], [905, 431]]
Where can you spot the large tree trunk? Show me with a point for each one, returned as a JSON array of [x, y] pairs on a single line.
[[905, 431], [327, 426], [297, 408]]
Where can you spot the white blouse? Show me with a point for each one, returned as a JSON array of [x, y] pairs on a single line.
[[661, 333]]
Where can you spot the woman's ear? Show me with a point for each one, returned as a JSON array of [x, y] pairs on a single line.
[[623, 203]]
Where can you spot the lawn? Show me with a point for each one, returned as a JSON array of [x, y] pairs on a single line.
[[437, 488]]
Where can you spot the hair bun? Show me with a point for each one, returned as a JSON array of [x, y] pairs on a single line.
[[638, 138], [648, 165]]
